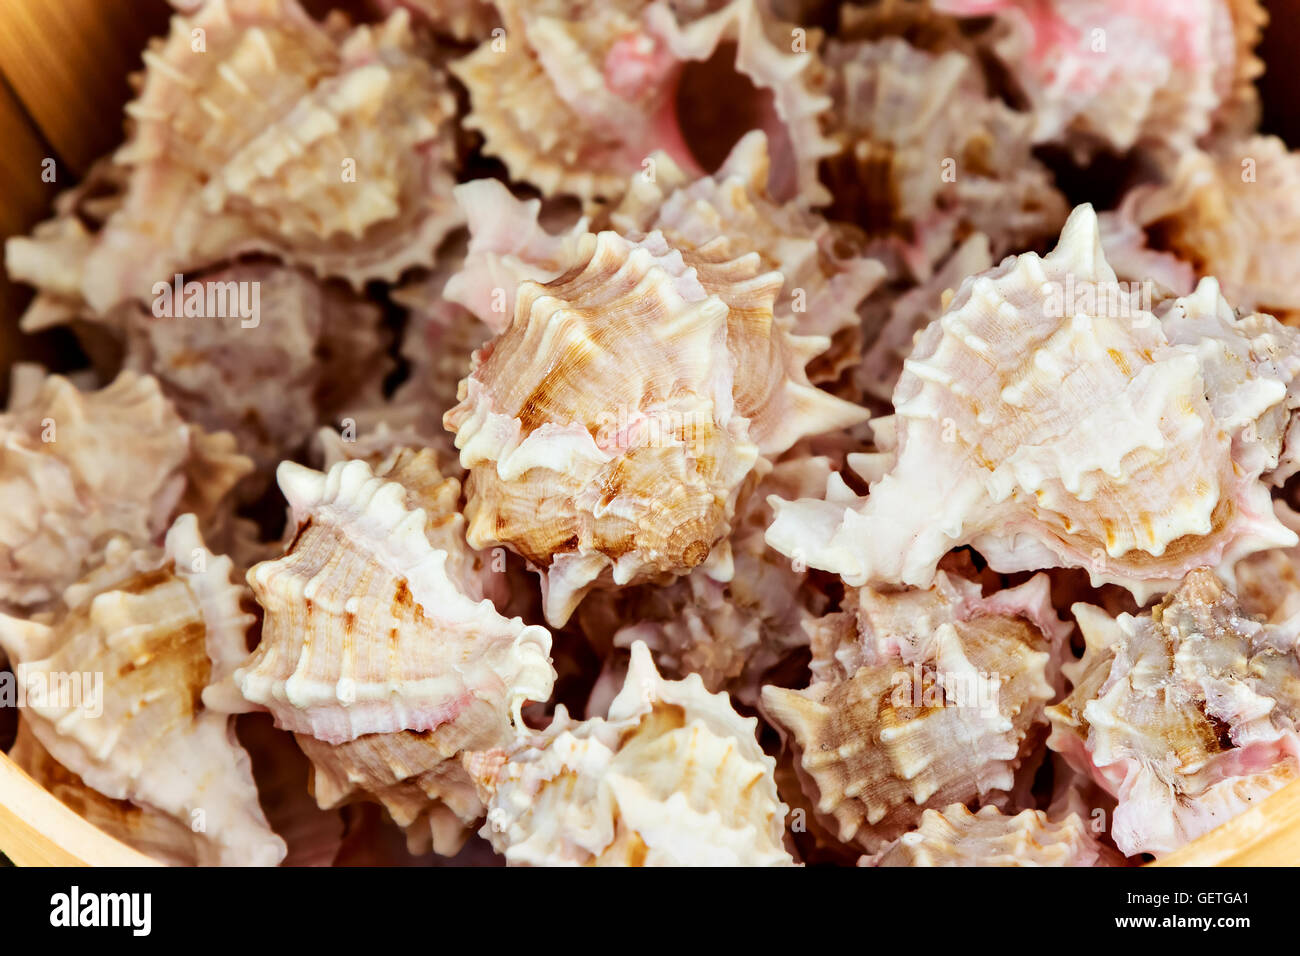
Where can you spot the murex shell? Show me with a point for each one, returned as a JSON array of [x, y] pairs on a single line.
[[375, 620], [919, 699], [673, 776], [576, 95], [954, 836], [1052, 418], [609, 430], [156, 626], [78, 467], [1187, 713], [258, 129]]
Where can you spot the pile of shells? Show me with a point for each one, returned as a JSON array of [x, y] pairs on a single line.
[[729, 432]]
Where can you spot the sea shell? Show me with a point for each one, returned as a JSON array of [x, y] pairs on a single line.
[[732, 633], [1232, 214], [1268, 582], [919, 699], [826, 278], [672, 777], [574, 96], [926, 156], [78, 467], [465, 21], [954, 836], [878, 373], [375, 620], [1099, 74], [268, 139], [1187, 713], [1050, 419], [147, 630], [609, 430]]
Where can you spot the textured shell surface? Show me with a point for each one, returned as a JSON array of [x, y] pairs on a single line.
[[926, 155], [1050, 419], [268, 139], [954, 836], [1187, 714], [918, 699], [375, 621], [673, 776], [146, 632], [826, 279], [77, 467], [1231, 213], [576, 95], [609, 430], [464, 21], [1104, 75], [731, 633]]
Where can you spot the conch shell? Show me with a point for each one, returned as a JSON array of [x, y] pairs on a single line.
[[279, 135], [672, 777], [919, 699], [1162, 74], [156, 626], [575, 95], [1187, 713], [1052, 418], [1232, 214], [608, 431], [79, 467], [954, 836], [926, 156]]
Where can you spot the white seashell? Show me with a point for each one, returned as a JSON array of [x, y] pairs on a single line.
[[954, 836], [672, 777], [574, 96], [374, 617], [148, 630], [919, 699], [79, 467], [280, 136], [1048, 419], [1187, 713], [608, 431]]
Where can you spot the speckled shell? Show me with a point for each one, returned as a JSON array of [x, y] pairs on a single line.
[[575, 95], [1161, 74], [156, 626], [672, 777], [280, 136], [731, 633], [608, 431], [926, 156], [1050, 420], [1231, 214], [374, 617], [919, 699], [954, 836], [77, 467], [1187, 714]]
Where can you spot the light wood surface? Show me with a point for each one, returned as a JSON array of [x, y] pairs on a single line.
[[1265, 835]]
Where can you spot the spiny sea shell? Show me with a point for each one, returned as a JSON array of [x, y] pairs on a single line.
[[954, 836], [1101, 74], [375, 620], [1188, 713], [608, 431], [672, 777], [731, 633], [279, 136], [575, 95], [155, 626], [1268, 582], [77, 467], [1049, 419], [826, 278], [464, 21], [1233, 214], [926, 156], [919, 699]]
